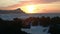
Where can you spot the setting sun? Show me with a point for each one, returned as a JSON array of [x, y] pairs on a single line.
[[28, 8], [38, 8]]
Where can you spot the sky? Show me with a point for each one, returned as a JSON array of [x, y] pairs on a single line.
[[39, 6]]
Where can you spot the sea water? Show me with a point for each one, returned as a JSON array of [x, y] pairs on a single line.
[[37, 30]]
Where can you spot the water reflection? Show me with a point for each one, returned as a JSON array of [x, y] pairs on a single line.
[[37, 30]]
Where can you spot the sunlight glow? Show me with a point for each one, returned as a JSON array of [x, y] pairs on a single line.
[[28, 8], [37, 8]]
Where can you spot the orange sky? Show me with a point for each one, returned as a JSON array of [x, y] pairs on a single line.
[[46, 6]]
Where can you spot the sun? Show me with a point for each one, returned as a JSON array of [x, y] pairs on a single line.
[[37, 8], [28, 8]]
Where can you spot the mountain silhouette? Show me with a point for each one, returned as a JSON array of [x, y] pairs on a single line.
[[16, 11]]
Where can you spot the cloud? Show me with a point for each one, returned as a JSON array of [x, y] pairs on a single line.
[[5, 3], [14, 4], [49, 1]]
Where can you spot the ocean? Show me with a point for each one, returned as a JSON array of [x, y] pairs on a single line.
[[24, 16]]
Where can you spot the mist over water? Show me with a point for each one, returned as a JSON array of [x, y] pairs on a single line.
[[24, 16]]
